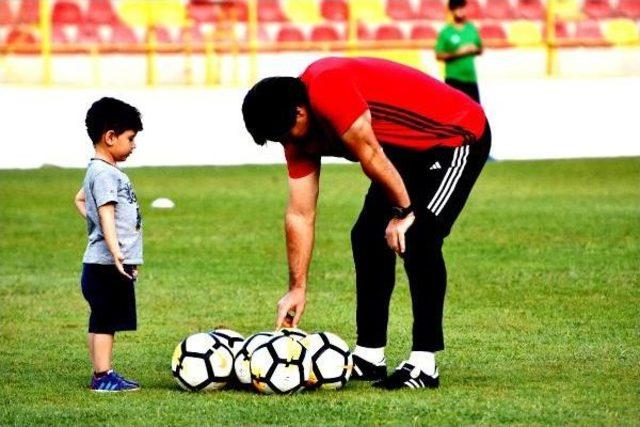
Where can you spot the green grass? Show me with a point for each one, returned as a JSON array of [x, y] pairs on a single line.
[[542, 312]]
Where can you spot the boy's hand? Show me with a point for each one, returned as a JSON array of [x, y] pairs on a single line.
[[119, 259]]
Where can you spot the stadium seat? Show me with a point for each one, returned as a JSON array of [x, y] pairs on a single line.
[[561, 30], [493, 32], [66, 13], [21, 36], [325, 33], [290, 34], [364, 32], [122, 34], [589, 33], [498, 9], [629, 8], [621, 31], [207, 11], [524, 33], [192, 36], [474, 10], [29, 12], [369, 11], [530, 9], [168, 12], [6, 17], [401, 10], [567, 9], [270, 11], [134, 12], [334, 10], [163, 36], [432, 9], [88, 34], [302, 11], [423, 32], [598, 9], [101, 12], [389, 32]]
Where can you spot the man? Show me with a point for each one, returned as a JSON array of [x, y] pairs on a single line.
[[421, 143], [457, 45]]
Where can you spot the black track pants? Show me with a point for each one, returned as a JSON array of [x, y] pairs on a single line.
[[439, 182]]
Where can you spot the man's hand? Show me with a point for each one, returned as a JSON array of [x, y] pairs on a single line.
[[291, 305], [396, 230], [119, 259]]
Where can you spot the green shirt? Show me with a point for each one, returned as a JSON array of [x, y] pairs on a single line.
[[449, 40]]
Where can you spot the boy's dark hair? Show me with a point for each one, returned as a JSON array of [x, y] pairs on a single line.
[[454, 4], [111, 114], [269, 108]]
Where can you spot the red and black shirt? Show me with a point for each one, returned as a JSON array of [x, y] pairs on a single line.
[[409, 109]]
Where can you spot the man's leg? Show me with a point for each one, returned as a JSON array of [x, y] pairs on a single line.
[[375, 278]]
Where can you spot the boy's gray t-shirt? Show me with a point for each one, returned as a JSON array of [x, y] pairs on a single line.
[[105, 183]]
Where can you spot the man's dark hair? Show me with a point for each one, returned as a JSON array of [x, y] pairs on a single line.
[[455, 4], [269, 108], [111, 114]]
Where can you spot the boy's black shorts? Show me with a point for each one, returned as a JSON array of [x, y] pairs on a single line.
[[111, 297]]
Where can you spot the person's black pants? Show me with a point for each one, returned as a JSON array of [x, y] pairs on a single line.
[[470, 88], [439, 181]]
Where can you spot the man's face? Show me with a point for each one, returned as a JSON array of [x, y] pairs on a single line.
[[121, 146], [300, 129], [460, 13]]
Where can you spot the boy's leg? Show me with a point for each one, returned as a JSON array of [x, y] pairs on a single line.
[[90, 346], [103, 352]]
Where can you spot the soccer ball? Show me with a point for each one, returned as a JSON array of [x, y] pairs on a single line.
[[241, 363], [232, 339], [202, 362], [331, 360], [295, 333], [280, 366]]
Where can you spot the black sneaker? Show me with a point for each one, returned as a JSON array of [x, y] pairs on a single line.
[[367, 371], [408, 376]]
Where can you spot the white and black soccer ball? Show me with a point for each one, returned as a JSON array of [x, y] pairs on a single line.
[[202, 362], [241, 363], [232, 339], [281, 366], [295, 333], [331, 360]]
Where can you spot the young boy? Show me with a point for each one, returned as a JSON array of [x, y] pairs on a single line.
[[114, 226]]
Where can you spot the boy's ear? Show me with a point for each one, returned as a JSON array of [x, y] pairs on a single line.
[[110, 137]]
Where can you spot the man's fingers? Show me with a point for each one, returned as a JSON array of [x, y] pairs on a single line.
[[282, 312], [401, 241], [296, 318]]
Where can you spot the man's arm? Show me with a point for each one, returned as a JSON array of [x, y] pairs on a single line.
[[300, 219], [466, 50], [362, 142], [80, 202], [107, 214]]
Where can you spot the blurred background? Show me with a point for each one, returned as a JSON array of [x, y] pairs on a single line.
[[558, 78]]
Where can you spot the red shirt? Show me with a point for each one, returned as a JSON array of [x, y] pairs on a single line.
[[409, 109]]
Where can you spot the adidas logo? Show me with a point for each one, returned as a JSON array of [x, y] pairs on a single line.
[[435, 166]]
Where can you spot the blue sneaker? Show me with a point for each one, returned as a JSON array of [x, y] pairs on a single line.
[[111, 383], [135, 383]]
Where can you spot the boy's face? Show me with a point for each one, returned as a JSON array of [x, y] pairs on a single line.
[[121, 146]]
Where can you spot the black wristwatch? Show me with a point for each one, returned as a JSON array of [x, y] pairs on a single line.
[[401, 213]]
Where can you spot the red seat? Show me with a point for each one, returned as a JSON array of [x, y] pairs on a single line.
[[101, 12], [270, 11], [192, 36], [66, 13], [629, 8], [401, 10], [6, 17], [21, 36], [88, 33], [493, 32], [290, 34], [162, 35], [560, 29], [589, 31], [58, 35], [423, 32], [498, 9], [207, 11], [364, 32], [389, 32], [474, 10], [29, 12], [530, 9], [598, 9], [122, 34], [334, 10], [324, 33], [432, 9]]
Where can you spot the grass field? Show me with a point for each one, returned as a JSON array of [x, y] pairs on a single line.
[[542, 313]]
